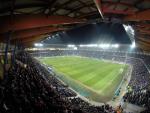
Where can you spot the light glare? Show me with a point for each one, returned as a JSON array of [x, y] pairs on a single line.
[[38, 44], [115, 45], [71, 45], [103, 46], [133, 45], [75, 48]]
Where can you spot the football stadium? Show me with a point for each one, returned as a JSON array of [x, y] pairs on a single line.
[[87, 72], [74, 56]]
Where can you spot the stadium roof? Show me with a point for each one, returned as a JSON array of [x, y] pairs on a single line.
[[29, 21]]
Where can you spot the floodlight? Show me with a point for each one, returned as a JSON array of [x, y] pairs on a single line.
[[116, 45], [128, 28], [57, 34], [81, 45], [38, 44], [49, 37], [104, 46], [70, 45], [35, 44], [75, 48], [133, 45], [100, 45]]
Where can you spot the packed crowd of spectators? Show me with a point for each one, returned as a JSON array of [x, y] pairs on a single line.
[[140, 75], [141, 98], [29, 88]]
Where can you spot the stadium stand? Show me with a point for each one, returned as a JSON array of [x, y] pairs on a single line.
[[28, 89], [139, 98], [27, 86]]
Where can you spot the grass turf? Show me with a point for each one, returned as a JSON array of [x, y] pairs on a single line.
[[99, 76]]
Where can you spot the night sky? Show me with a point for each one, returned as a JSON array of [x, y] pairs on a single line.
[[110, 33]]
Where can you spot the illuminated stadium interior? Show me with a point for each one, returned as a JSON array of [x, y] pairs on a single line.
[[75, 56]]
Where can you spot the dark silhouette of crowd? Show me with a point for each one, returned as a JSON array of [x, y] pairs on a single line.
[[28, 87]]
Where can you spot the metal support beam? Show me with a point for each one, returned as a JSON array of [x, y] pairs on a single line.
[[121, 3], [61, 6], [108, 11], [143, 39], [33, 38], [144, 43], [142, 46], [77, 9], [99, 7], [33, 32], [105, 7], [21, 22], [8, 36], [22, 6], [13, 54], [143, 25], [143, 31], [139, 16]]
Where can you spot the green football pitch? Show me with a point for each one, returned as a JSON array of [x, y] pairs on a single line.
[[95, 79]]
